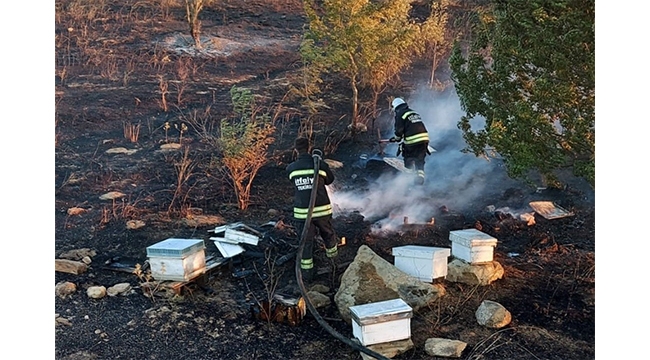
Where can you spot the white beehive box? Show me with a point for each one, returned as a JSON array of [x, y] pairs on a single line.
[[472, 245], [177, 259], [423, 262], [381, 322]]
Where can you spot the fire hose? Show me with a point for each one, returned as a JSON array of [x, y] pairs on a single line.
[[317, 155]]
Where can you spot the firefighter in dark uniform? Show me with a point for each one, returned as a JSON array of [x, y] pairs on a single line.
[[301, 175], [409, 126]]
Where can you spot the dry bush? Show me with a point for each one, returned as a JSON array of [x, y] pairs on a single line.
[[120, 209], [85, 11], [147, 11], [270, 280], [129, 69], [203, 124], [163, 85], [182, 75], [131, 132], [443, 311], [192, 10], [108, 68], [159, 59], [184, 169], [244, 143]]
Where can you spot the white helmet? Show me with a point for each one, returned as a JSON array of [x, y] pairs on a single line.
[[397, 102]]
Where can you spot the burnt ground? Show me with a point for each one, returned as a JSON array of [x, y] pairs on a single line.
[[112, 68]]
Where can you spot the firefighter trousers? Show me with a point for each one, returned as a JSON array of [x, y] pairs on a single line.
[[322, 225]]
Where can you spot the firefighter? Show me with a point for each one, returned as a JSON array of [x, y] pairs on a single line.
[[410, 128], [301, 174]]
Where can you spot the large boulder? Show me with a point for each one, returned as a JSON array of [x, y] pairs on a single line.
[[370, 278]]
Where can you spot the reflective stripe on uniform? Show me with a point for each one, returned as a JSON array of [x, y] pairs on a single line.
[[407, 114], [319, 211], [306, 172], [332, 252], [421, 173], [307, 264], [416, 138]]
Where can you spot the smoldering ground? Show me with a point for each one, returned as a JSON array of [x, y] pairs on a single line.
[[454, 179]]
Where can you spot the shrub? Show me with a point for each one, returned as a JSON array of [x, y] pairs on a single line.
[[244, 142]]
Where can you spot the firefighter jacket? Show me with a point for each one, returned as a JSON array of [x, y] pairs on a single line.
[[409, 126], [301, 174]]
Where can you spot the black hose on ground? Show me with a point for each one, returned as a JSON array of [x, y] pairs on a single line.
[[317, 155]]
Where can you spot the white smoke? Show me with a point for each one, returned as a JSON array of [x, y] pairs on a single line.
[[453, 178]]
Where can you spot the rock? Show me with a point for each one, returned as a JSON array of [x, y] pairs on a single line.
[[112, 195], [370, 278], [318, 300], [86, 260], [493, 315], [121, 150], [63, 289], [135, 224], [58, 320], [474, 274], [69, 266], [320, 288], [118, 289], [273, 213], [389, 349], [78, 254], [444, 347], [73, 211], [96, 292], [171, 146]]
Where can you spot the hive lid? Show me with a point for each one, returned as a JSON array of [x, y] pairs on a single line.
[[421, 252], [549, 210], [471, 237], [174, 247], [381, 311], [228, 250]]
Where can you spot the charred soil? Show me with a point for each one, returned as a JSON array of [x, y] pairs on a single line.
[[109, 76]]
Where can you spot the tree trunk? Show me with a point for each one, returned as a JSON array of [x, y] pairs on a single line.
[[355, 101], [433, 64], [196, 33]]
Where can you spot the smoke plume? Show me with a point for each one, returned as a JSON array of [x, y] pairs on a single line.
[[454, 179]]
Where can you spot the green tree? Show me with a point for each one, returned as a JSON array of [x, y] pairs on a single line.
[[530, 73], [244, 142], [437, 38], [367, 42], [306, 84]]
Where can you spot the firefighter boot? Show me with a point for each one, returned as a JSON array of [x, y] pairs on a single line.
[[419, 180], [307, 275]]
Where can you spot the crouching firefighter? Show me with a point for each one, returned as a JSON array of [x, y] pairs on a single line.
[[301, 174], [415, 147]]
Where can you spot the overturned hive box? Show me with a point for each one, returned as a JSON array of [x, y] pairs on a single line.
[[177, 259], [472, 245], [423, 262], [381, 322]]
